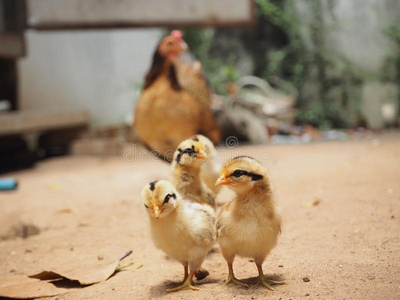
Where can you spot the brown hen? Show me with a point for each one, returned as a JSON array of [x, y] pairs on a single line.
[[173, 106]]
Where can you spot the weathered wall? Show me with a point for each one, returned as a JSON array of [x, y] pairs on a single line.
[[100, 71], [355, 29], [351, 38]]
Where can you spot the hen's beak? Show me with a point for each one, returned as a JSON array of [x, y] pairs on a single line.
[[157, 211], [223, 181], [202, 155]]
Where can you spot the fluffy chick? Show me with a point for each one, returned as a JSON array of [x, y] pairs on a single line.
[[250, 224], [184, 230], [186, 172], [210, 168]]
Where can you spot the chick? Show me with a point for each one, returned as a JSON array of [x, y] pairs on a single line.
[[186, 172], [184, 230], [250, 224], [210, 168]]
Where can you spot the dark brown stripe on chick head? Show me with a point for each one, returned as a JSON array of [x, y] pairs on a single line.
[[153, 185], [243, 156], [189, 151], [253, 176]]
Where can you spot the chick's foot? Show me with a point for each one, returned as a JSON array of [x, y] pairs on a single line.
[[267, 283], [234, 280], [187, 285]]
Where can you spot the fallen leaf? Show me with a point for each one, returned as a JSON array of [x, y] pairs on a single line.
[[84, 277], [24, 287], [47, 275], [39, 285], [131, 266], [16, 280]]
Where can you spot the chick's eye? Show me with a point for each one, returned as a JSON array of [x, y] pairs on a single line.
[[166, 199], [237, 173], [146, 206]]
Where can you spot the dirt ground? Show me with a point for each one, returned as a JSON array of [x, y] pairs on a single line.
[[88, 213]]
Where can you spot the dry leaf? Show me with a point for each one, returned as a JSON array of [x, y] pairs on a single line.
[[84, 277], [23, 287], [37, 286], [93, 276], [131, 266], [47, 275], [16, 280]]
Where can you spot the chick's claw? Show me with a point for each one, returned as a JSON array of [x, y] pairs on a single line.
[[267, 283], [276, 282], [234, 280], [187, 285]]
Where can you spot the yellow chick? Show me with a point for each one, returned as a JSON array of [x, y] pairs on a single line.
[[186, 172], [210, 168], [250, 224], [184, 230]]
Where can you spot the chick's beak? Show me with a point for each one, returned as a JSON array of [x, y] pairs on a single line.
[[157, 211], [202, 155], [223, 181]]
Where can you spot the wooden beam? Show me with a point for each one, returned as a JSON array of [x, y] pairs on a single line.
[[37, 121], [94, 14]]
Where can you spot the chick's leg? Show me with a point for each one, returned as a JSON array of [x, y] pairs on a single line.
[[264, 282], [232, 278], [187, 284], [186, 269]]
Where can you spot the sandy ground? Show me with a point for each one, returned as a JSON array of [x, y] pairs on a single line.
[[89, 213]]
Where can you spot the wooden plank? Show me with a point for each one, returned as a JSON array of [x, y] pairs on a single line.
[[77, 14], [35, 121]]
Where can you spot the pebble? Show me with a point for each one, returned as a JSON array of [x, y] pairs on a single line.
[[306, 279]]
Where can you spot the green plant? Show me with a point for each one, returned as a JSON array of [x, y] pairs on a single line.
[[292, 47], [219, 70]]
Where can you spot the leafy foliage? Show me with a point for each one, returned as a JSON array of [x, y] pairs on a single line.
[[329, 85]]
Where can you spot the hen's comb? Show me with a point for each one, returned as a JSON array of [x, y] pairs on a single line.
[[177, 34]]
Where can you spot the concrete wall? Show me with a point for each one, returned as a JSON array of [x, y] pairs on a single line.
[[354, 37], [355, 29], [100, 71]]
